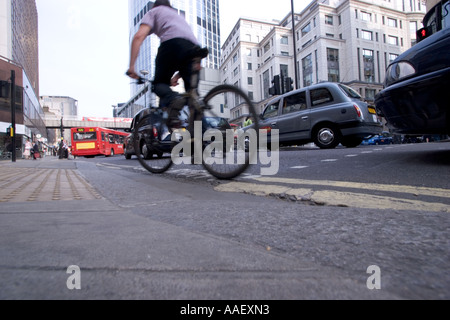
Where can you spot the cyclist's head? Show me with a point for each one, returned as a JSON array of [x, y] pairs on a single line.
[[162, 3]]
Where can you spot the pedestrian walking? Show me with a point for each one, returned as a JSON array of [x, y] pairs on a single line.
[[36, 153], [62, 149], [28, 147]]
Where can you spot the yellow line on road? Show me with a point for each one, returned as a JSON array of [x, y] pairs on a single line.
[[435, 192], [333, 198]]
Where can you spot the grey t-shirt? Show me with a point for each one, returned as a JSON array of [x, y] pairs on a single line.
[[167, 24]]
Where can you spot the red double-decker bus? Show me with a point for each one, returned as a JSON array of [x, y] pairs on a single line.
[[95, 141]]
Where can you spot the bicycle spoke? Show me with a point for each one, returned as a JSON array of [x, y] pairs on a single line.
[[230, 157]]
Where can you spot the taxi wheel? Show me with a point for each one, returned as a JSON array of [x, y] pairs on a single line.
[[327, 136]]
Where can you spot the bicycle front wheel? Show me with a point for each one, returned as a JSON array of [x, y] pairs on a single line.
[[152, 143], [232, 157]]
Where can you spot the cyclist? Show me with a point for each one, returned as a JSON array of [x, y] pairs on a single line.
[[248, 122], [177, 44]]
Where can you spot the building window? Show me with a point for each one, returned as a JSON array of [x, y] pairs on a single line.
[[366, 35], [266, 84], [306, 29], [392, 22], [237, 98], [393, 40], [307, 43], [392, 57], [250, 81], [284, 40], [370, 94], [369, 66], [365, 16], [249, 66], [329, 20], [307, 67], [267, 47], [412, 31], [333, 64], [284, 53], [235, 58], [284, 72], [250, 96]]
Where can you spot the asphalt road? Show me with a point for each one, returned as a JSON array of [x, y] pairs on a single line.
[[342, 209]]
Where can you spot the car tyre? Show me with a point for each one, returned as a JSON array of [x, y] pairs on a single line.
[[327, 136], [351, 142], [146, 154]]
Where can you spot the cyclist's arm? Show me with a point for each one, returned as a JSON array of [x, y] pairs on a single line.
[[138, 39]]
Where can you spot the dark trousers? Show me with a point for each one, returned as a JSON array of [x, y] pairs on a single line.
[[173, 56]]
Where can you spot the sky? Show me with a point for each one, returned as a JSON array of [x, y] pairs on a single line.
[[84, 46]]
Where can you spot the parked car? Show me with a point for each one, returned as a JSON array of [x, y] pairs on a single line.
[[415, 100], [380, 139], [326, 114], [154, 131]]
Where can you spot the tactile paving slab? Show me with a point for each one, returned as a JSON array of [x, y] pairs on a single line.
[[30, 184]]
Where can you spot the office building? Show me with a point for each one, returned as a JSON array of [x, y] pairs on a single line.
[[19, 53], [347, 41]]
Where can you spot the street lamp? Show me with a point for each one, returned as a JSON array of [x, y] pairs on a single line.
[[295, 45], [145, 73], [115, 115]]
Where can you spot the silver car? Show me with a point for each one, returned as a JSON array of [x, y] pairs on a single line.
[[326, 114]]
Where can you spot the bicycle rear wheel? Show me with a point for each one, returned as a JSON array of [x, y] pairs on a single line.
[[152, 142], [229, 159]]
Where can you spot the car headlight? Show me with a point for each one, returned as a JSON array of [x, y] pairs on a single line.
[[398, 71]]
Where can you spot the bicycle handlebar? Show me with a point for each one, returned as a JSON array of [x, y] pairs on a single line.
[[139, 80]]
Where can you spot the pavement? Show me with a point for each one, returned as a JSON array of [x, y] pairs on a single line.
[[52, 218]]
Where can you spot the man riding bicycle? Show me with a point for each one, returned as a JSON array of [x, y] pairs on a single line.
[[174, 54]]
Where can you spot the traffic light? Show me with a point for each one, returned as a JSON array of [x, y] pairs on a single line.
[[423, 33], [288, 84], [10, 131], [276, 88]]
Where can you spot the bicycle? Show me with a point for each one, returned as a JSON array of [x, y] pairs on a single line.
[[157, 142], [5, 155]]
